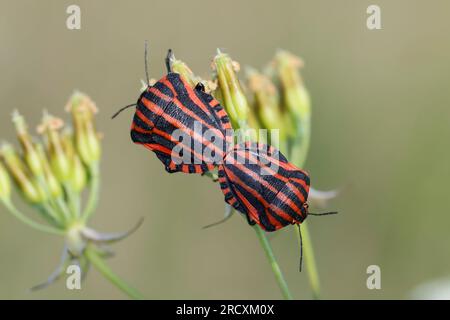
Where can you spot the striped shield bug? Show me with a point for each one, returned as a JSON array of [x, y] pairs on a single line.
[[170, 108], [257, 180]]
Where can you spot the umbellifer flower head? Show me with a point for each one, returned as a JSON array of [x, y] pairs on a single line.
[[52, 178]]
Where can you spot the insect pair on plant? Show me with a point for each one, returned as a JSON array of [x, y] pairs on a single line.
[[173, 105]]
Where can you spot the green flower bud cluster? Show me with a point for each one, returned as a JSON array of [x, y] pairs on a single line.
[[51, 174], [275, 100]]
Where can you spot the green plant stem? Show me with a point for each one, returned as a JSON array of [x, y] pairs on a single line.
[[93, 192], [98, 262], [310, 261], [273, 262], [298, 159], [35, 225], [73, 199]]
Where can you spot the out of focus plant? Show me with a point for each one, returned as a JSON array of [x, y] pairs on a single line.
[[278, 101], [50, 175]]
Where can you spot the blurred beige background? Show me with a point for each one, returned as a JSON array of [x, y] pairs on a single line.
[[380, 128]]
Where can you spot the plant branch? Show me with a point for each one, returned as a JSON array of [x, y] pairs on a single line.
[[93, 192], [33, 224], [298, 156], [273, 262], [310, 261], [98, 262]]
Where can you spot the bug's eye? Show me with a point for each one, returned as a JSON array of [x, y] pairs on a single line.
[[200, 86]]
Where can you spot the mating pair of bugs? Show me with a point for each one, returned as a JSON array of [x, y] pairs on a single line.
[[272, 200]]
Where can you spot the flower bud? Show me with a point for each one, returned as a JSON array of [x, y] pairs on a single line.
[[186, 73], [233, 97], [266, 103], [78, 177], [5, 184], [296, 102], [59, 162], [53, 185], [16, 167], [295, 95], [30, 155], [87, 142]]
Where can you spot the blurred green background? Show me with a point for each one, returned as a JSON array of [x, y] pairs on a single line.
[[380, 118]]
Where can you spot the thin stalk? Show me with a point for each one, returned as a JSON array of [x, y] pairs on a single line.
[[49, 214], [93, 192], [73, 199], [33, 224], [298, 158], [273, 263], [63, 209], [310, 262], [98, 262]]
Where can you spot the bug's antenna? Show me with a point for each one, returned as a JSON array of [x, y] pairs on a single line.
[[146, 61], [323, 213], [169, 57], [121, 109], [301, 247]]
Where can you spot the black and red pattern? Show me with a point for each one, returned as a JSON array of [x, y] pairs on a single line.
[[171, 104], [272, 200]]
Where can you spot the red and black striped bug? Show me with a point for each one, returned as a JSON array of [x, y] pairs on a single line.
[[172, 106], [258, 181]]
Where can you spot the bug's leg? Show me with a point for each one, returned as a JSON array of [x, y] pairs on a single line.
[[249, 220], [265, 222], [212, 175], [169, 57], [200, 86], [301, 247]]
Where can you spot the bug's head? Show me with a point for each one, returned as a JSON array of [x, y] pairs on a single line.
[[148, 84], [304, 209]]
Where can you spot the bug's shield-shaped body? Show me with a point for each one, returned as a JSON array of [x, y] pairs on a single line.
[[268, 189], [171, 113]]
